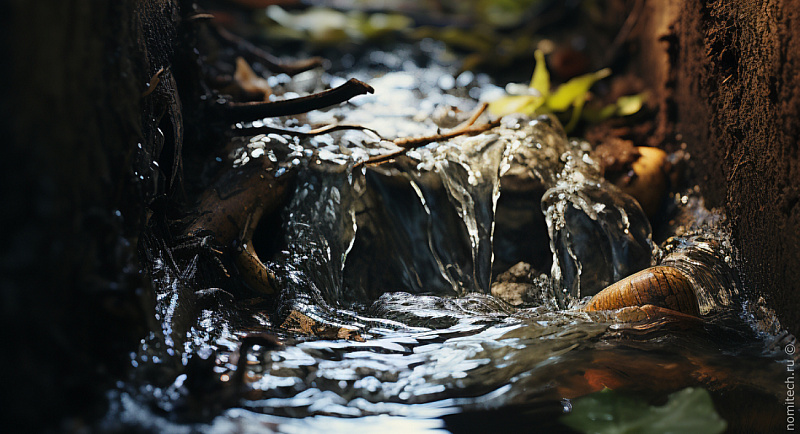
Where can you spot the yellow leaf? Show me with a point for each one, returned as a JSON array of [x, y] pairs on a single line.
[[576, 113], [525, 104], [629, 104], [569, 92], [541, 77], [249, 81]]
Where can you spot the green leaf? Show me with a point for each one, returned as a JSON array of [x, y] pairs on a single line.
[[687, 411], [630, 104], [525, 104], [455, 37], [379, 24], [541, 77], [576, 114], [599, 114], [569, 92]]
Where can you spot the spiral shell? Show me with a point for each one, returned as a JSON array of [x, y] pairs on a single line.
[[660, 286]]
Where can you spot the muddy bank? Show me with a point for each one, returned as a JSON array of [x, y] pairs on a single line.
[[73, 203], [729, 80]]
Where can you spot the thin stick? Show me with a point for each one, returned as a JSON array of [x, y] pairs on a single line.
[[416, 142], [154, 80], [252, 52], [625, 30], [315, 132], [201, 16], [469, 122], [251, 111], [464, 128]]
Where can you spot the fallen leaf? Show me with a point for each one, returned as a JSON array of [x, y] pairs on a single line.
[[249, 81], [630, 104], [687, 411], [570, 92], [541, 77]]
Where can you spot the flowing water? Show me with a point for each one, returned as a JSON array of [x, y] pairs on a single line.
[[393, 266]]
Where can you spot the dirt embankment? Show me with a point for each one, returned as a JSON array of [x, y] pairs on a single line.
[[729, 76], [73, 193]]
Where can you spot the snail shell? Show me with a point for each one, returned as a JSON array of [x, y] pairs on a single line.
[[660, 286]]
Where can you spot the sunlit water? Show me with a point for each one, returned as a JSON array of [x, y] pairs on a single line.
[[402, 257]]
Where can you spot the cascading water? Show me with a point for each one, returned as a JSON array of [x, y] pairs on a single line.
[[402, 257]]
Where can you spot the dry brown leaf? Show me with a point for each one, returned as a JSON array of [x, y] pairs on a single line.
[[249, 81]]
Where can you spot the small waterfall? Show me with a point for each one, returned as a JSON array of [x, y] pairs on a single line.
[[320, 227], [425, 222]]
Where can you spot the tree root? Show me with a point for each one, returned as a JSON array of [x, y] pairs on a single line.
[[255, 54], [247, 112], [315, 132], [231, 210]]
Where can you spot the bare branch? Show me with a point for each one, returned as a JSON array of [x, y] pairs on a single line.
[[315, 132], [251, 111], [253, 53]]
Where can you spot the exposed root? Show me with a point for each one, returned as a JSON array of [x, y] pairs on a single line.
[[200, 17], [231, 209], [154, 80], [315, 132], [248, 112], [255, 54]]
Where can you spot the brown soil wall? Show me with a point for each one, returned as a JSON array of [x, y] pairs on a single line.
[[71, 117], [729, 79]]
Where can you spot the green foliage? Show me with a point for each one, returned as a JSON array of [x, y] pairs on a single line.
[[539, 98], [504, 13], [608, 412], [624, 106], [630, 104], [327, 26], [541, 77], [574, 92]]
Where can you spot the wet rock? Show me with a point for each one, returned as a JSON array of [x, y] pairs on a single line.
[[520, 232], [515, 285], [520, 272], [649, 185], [615, 155], [513, 293], [641, 172], [301, 323]]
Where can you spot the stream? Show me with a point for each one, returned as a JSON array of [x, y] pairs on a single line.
[[393, 265]]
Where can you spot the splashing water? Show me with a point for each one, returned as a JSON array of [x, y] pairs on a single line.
[[402, 256]]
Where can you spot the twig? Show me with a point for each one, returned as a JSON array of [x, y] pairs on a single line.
[[247, 112], [201, 16], [464, 128], [154, 80], [253, 53], [625, 30], [407, 143], [315, 132], [416, 142]]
